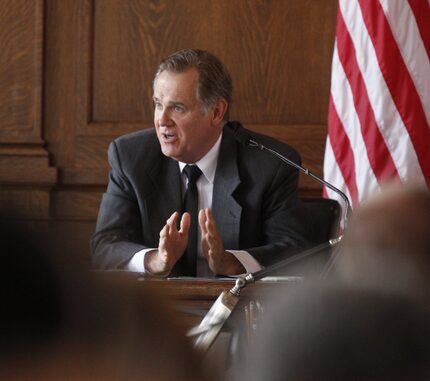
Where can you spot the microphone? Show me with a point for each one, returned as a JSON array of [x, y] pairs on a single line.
[[245, 138]]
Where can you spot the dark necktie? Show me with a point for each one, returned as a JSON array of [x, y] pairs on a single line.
[[191, 205]]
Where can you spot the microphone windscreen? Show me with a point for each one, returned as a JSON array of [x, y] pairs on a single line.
[[240, 134]]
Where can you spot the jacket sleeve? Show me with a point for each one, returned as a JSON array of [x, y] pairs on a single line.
[[118, 230]]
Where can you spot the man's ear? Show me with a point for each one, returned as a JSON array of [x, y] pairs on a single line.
[[219, 110]]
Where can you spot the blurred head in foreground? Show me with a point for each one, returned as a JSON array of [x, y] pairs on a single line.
[[388, 241], [61, 322], [329, 332]]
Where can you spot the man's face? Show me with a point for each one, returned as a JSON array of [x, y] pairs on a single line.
[[185, 130]]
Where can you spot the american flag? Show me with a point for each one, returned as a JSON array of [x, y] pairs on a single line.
[[379, 107]]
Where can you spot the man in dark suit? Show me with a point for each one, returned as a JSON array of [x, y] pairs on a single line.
[[248, 201]]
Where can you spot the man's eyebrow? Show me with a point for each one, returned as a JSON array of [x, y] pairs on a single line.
[[177, 104], [171, 103]]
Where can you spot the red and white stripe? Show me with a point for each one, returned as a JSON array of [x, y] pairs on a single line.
[[379, 107]]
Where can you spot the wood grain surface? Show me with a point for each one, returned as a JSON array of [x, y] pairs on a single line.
[[76, 74]]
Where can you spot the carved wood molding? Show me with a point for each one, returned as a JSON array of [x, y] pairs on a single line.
[[23, 159], [26, 165], [21, 74], [26, 175]]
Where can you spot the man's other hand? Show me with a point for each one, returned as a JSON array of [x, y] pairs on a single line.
[[221, 262]]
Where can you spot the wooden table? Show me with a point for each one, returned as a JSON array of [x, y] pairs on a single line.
[[193, 297]]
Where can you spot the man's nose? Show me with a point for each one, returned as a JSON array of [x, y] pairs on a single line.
[[164, 117]]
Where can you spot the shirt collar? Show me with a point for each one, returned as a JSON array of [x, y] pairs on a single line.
[[208, 163]]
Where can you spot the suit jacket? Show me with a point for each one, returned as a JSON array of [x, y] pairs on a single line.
[[255, 199]]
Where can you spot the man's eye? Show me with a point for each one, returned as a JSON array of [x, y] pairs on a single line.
[[158, 106], [179, 109]]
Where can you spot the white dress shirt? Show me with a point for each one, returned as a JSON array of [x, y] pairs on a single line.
[[205, 184]]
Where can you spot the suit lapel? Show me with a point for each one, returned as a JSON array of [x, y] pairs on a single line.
[[163, 197], [226, 210], [163, 194]]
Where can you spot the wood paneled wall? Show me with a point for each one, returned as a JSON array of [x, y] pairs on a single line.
[[77, 73]]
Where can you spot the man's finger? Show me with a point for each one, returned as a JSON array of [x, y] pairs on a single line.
[[202, 221], [165, 231], [210, 225], [185, 223], [172, 219]]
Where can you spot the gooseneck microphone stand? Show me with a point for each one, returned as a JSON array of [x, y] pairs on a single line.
[[242, 135]]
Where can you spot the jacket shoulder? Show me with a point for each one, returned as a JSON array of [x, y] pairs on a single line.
[[137, 138], [140, 148]]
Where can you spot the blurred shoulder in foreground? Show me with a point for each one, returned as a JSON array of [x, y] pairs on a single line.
[[59, 321], [337, 332], [387, 244]]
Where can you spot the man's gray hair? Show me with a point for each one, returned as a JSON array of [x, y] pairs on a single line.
[[214, 81]]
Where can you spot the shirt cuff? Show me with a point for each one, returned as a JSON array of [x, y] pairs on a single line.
[[137, 262], [247, 260]]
